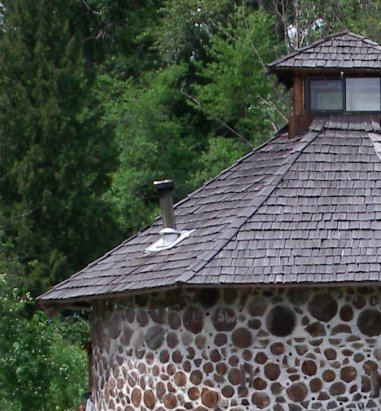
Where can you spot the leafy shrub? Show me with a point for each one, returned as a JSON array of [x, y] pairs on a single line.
[[40, 369]]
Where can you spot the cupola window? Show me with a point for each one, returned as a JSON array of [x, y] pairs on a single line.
[[326, 95], [352, 94], [363, 94]]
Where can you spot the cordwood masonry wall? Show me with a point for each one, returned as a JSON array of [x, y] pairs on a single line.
[[274, 349]]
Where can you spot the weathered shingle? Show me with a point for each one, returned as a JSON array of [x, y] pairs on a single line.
[[341, 51], [322, 226], [303, 210]]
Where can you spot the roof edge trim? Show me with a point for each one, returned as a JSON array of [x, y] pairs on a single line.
[[70, 303]]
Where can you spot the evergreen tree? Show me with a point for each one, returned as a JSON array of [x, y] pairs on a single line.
[[158, 138], [232, 87], [54, 155], [120, 35]]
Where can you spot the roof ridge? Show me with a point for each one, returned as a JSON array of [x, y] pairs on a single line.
[[300, 50], [365, 39], [317, 126], [227, 234], [304, 48], [375, 138]]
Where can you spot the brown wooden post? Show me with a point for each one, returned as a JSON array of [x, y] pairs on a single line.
[[297, 119], [298, 95]]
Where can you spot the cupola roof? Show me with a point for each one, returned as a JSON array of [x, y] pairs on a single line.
[[344, 51]]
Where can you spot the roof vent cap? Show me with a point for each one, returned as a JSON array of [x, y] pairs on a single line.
[[169, 237]]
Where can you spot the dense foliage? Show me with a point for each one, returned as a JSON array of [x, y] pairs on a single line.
[[55, 156], [97, 99], [42, 363]]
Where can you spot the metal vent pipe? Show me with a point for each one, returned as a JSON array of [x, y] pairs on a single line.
[[165, 190]]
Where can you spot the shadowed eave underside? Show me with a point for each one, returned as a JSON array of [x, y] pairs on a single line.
[[293, 211]]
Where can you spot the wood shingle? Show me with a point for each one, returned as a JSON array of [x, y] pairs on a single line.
[[301, 210], [345, 51]]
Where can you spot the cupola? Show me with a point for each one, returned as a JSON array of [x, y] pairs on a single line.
[[339, 74]]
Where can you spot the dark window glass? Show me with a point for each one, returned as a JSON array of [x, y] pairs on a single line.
[[326, 95], [363, 94]]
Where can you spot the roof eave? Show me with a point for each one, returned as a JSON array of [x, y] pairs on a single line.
[[81, 302], [277, 70], [53, 307], [285, 75]]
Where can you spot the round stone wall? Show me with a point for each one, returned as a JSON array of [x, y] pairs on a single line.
[[271, 349]]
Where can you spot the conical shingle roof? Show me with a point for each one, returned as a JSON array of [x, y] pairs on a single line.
[[293, 211]]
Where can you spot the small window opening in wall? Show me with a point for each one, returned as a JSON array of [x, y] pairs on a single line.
[[339, 94]]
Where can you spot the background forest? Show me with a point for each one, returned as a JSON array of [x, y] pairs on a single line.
[[97, 99]]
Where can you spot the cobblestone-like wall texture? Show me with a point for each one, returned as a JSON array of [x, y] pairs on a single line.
[[243, 349]]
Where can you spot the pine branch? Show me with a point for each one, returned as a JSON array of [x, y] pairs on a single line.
[[215, 118]]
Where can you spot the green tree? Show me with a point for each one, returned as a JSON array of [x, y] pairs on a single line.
[[185, 26], [119, 35], [218, 154], [40, 367], [158, 138], [235, 90], [209, 103], [314, 19], [55, 157]]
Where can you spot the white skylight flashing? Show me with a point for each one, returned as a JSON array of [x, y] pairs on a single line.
[[169, 237]]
